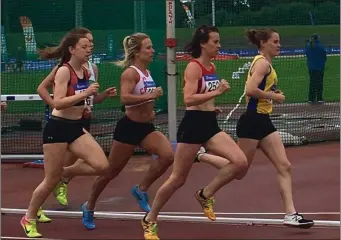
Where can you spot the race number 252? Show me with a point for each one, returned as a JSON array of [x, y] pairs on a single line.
[[212, 85]]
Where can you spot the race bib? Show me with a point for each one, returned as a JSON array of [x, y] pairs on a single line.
[[81, 87], [212, 82], [149, 87], [90, 99]]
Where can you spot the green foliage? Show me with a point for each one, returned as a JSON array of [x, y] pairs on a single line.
[[273, 14]]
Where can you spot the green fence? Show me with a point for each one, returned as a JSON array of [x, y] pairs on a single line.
[[46, 21]]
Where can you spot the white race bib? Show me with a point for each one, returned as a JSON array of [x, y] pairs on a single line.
[[212, 85], [90, 101], [149, 87], [211, 82], [79, 88]]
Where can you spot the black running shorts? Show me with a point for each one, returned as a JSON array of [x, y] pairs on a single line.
[[61, 130], [86, 123], [197, 127], [254, 125], [131, 132]]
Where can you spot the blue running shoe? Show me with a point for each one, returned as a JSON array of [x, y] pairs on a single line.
[[88, 218], [142, 198]]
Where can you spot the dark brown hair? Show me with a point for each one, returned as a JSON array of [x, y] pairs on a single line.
[[62, 50], [200, 36], [255, 36], [80, 30]]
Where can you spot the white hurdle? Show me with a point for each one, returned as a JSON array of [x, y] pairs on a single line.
[[168, 218]]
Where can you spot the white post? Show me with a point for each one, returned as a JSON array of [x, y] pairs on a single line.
[[213, 12], [139, 16], [143, 16], [171, 70], [79, 13], [192, 6], [136, 17]]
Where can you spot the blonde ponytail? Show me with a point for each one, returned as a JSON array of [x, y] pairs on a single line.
[[125, 62], [132, 46]]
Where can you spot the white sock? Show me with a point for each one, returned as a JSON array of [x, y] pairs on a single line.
[[291, 214], [139, 190]]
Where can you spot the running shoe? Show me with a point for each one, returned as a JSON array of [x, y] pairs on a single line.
[[297, 220], [149, 229], [206, 204], [201, 151], [60, 193], [41, 217], [88, 218], [30, 227], [142, 198]]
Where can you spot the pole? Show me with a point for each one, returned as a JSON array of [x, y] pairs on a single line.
[[192, 6], [171, 69], [213, 12], [143, 16], [79, 13]]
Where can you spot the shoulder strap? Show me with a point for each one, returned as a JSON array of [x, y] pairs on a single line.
[[255, 59], [138, 70], [73, 76], [200, 66]]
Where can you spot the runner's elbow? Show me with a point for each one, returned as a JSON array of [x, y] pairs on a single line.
[[250, 91], [189, 101]]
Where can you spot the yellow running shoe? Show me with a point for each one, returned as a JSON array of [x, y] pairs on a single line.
[[60, 192], [149, 229], [30, 227], [41, 217], [206, 204]]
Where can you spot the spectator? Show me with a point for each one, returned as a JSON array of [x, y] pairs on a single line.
[[19, 63], [316, 60]]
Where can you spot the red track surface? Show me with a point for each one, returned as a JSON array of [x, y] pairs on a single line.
[[316, 175]]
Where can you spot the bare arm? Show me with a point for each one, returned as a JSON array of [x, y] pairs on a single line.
[[261, 68], [129, 79], [43, 88], [191, 98], [61, 83]]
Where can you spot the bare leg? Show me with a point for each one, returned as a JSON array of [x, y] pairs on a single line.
[[216, 161], [156, 143], [273, 148], [119, 156], [70, 159], [95, 162], [249, 148], [53, 167], [223, 145], [184, 157]]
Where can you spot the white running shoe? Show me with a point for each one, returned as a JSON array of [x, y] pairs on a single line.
[[202, 150], [297, 220]]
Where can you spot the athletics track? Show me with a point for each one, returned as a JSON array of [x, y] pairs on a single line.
[[316, 185]]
